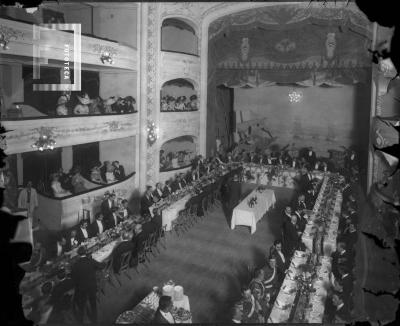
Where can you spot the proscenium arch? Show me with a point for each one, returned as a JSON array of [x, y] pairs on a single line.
[[209, 16]]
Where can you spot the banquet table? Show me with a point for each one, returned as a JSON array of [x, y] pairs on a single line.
[[143, 313], [276, 176], [284, 302], [315, 313], [171, 213], [249, 216]]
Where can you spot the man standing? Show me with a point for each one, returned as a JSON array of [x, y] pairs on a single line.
[[146, 202], [291, 236], [83, 275], [107, 204], [28, 200], [97, 227], [82, 233]]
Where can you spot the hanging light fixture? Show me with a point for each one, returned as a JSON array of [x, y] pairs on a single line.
[[45, 140], [152, 132], [295, 96]]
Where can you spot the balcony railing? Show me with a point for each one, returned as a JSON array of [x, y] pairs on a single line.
[[58, 213], [69, 131]]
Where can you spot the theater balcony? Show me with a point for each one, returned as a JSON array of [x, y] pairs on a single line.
[[70, 130], [53, 42], [65, 212]]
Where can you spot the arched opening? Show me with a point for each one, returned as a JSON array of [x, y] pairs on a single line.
[[178, 95], [177, 153], [177, 35]]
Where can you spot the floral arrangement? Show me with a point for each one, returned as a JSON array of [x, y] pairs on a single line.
[[252, 201]]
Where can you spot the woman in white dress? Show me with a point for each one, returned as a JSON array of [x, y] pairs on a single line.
[[110, 177], [58, 191]]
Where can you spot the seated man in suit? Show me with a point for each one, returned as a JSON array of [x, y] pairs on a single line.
[[124, 246], [126, 211], [146, 202], [138, 242], [82, 233], [340, 259], [97, 227], [178, 184], [72, 241], [56, 248], [163, 314], [113, 219], [119, 171], [167, 189], [310, 157], [158, 192]]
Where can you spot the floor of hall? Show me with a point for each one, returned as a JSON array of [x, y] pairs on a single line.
[[211, 262]]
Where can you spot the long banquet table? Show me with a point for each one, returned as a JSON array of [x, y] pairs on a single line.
[[171, 211], [277, 176], [243, 214], [291, 304]]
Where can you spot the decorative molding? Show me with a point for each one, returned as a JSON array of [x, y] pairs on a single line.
[[152, 107], [8, 33], [70, 131], [176, 65], [100, 49]]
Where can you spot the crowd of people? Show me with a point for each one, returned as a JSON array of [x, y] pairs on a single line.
[[112, 212], [174, 160], [82, 104], [74, 182], [259, 296], [180, 103]]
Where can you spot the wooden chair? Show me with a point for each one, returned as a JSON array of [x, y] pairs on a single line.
[[141, 259], [107, 275], [125, 265], [162, 237]]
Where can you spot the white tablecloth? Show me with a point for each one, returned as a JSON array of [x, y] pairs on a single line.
[[151, 302], [245, 215], [283, 305], [171, 213], [317, 299], [103, 253]]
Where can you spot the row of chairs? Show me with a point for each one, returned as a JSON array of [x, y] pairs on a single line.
[[152, 245], [195, 210]]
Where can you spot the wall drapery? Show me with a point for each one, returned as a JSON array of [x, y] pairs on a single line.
[[290, 43]]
